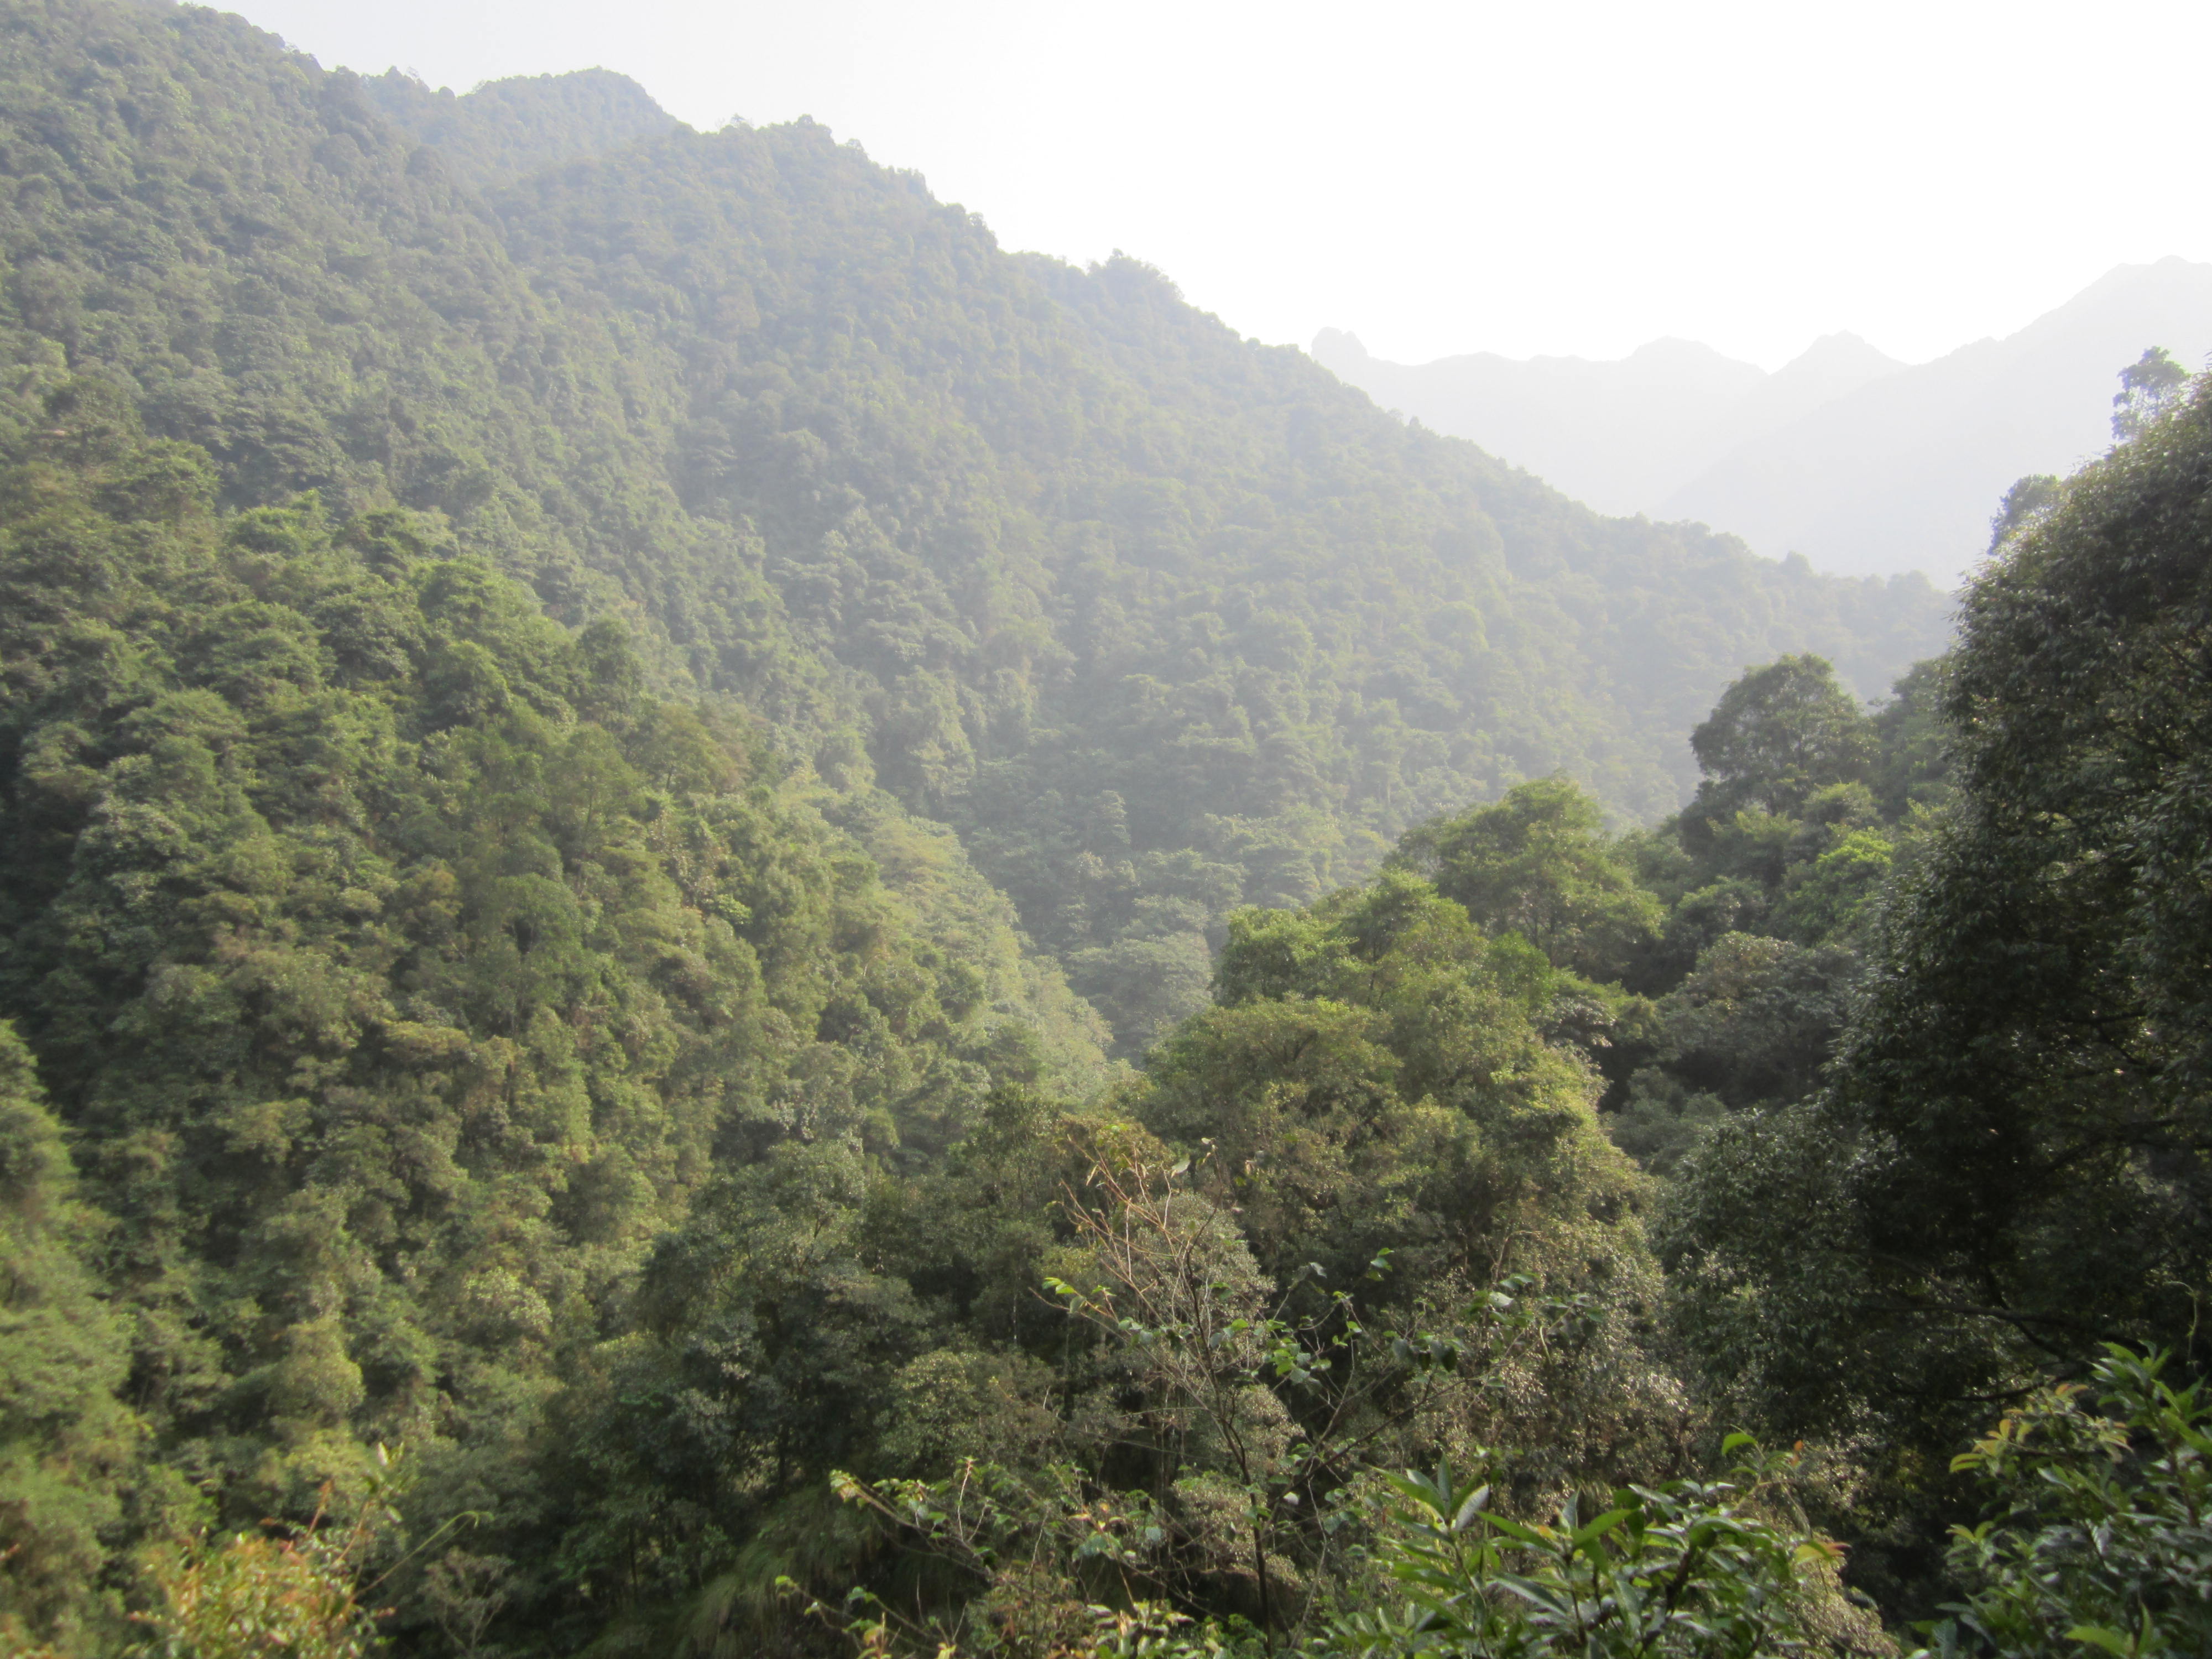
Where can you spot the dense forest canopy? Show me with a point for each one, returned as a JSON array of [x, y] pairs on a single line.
[[728, 926], [1160, 620]]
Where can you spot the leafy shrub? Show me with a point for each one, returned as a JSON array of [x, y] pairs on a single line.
[[253, 1594], [2103, 1533], [1686, 1569]]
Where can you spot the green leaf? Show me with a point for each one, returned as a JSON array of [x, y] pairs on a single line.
[[1587, 1535], [2098, 1635], [1476, 1502], [1519, 1533]]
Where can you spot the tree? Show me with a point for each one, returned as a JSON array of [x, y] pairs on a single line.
[[2148, 387], [1776, 736], [1537, 864], [2029, 497], [1915, 763], [2098, 1541], [1685, 1570], [1248, 1423], [297, 1593], [1377, 1074], [2007, 1170], [2031, 1060], [1753, 1024]]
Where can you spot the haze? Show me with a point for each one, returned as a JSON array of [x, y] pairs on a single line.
[[1560, 179]]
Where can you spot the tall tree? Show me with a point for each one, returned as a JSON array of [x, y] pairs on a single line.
[[2014, 1163], [2148, 386], [1537, 863], [1777, 735]]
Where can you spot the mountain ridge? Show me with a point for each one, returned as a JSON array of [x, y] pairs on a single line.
[[504, 128], [1607, 433], [1928, 452], [611, 739], [1864, 464], [1158, 620]]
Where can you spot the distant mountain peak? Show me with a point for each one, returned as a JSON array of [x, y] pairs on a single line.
[[1671, 348], [1906, 469], [1608, 431], [1863, 463], [1846, 351]]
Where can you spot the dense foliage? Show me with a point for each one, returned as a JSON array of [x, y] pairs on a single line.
[[405, 970], [68, 1436], [477, 1054], [1679, 1569], [2098, 1538], [2009, 1168], [1162, 621], [591, 718], [507, 130]]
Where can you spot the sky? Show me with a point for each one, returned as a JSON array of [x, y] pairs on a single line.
[[1546, 176]]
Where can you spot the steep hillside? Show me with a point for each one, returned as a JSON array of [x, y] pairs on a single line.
[[1138, 599], [594, 725], [402, 971], [1160, 619]]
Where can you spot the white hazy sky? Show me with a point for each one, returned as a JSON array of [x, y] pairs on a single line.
[[1538, 177]]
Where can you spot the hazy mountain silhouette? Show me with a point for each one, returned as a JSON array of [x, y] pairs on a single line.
[[1905, 473], [1860, 463], [1832, 366], [1618, 435]]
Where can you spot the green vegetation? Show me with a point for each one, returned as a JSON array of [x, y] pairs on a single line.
[[2098, 1536], [1678, 1570], [68, 1436], [2008, 1169], [509, 129], [1160, 621], [408, 972], [611, 739]]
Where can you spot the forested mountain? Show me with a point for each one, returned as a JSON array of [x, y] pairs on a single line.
[[1159, 619], [576, 694], [404, 968], [507, 128]]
